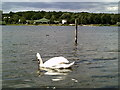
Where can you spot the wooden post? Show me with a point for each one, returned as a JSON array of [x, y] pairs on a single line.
[[76, 32]]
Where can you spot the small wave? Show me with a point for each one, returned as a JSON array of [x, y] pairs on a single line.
[[104, 76], [114, 86], [81, 61], [97, 67], [20, 44], [103, 59]]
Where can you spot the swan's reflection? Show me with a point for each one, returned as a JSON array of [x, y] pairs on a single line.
[[59, 74]]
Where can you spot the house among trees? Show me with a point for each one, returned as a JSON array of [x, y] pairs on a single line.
[[64, 21], [43, 21]]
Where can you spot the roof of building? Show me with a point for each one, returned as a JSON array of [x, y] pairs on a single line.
[[56, 21], [42, 20]]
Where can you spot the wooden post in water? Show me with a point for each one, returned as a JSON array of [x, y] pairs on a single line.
[[76, 32]]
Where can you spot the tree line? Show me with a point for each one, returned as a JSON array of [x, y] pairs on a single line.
[[83, 17]]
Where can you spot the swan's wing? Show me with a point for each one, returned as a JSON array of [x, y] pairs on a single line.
[[63, 65], [55, 61]]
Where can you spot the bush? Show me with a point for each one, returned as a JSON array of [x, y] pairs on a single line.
[[2, 23]]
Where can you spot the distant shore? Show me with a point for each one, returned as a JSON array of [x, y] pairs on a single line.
[[60, 25]]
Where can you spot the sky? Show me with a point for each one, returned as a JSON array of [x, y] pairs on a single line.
[[60, 0], [101, 6]]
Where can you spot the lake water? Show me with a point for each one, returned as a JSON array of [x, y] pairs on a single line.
[[95, 56]]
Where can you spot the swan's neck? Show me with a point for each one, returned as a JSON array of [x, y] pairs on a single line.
[[40, 61]]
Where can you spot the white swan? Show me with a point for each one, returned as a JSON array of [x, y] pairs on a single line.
[[54, 63]]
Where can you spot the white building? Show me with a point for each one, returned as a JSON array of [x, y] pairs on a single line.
[[64, 21], [19, 20], [6, 17]]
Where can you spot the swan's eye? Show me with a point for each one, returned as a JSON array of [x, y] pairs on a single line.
[[38, 61]]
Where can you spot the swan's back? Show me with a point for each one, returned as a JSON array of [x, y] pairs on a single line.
[[55, 61]]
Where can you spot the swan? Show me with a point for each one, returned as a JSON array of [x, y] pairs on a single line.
[[54, 63]]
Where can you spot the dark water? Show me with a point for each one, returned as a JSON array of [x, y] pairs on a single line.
[[96, 56]]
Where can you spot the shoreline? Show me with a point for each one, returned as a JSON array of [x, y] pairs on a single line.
[[56, 25]]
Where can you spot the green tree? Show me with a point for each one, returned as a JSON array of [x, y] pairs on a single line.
[[27, 16], [10, 21], [52, 19], [22, 20], [36, 16], [72, 18], [42, 13], [15, 18], [48, 15], [11, 13], [105, 19], [113, 19], [65, 16], [96, 19]]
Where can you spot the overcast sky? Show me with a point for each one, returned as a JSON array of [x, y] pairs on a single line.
[[108, 6], [60, 0]]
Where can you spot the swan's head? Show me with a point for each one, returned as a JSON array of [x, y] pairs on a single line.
[[38, 56], [40, 62]]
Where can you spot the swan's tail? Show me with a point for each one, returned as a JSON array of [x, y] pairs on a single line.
[[71, 64], [38, 56], [65, 66]]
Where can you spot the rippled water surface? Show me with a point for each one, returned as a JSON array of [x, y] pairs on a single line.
[[95, 56]]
